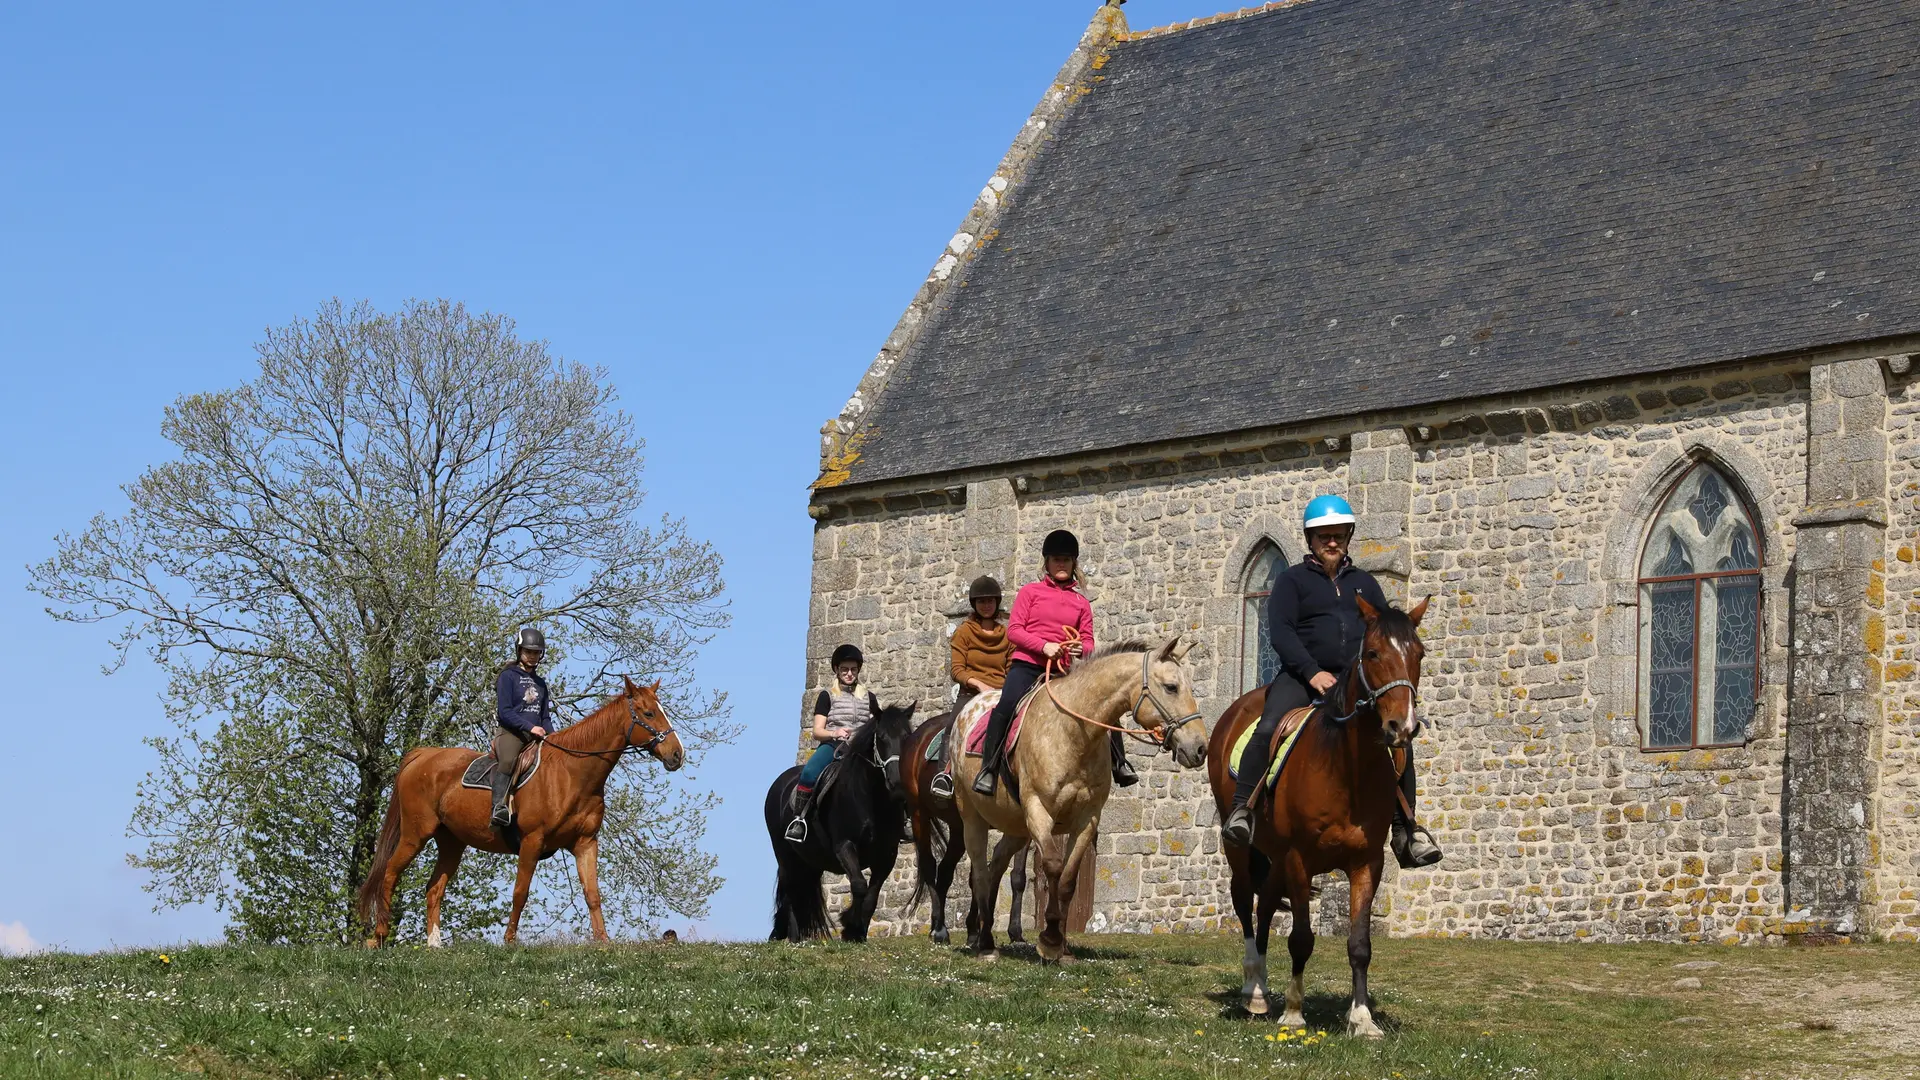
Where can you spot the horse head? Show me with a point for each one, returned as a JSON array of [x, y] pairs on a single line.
[[649, 727], [891, 726], [1166, 705], [1389, 663]]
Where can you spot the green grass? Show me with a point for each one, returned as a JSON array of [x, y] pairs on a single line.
[[1159, 1006]]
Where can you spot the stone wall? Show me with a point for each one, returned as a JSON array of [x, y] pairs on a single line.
[[1524, 519], [1895, 898]]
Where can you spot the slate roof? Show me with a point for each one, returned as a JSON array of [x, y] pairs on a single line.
[[1352, 205]]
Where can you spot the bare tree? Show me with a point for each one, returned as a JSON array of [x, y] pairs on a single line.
[[331, 570]]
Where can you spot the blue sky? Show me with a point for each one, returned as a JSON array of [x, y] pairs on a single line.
[[725, 205]]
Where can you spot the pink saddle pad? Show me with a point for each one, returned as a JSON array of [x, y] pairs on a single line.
[[977, 734]]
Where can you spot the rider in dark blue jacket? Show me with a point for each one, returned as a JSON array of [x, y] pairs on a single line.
[[1316, 630], [523, 710]]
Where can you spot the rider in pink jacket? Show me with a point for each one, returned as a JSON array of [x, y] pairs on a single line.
[[1041, 612]]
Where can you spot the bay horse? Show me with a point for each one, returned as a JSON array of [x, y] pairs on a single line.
[[936, 823], [559, 808], [856, 828], [1330, 809], [1063, 770]]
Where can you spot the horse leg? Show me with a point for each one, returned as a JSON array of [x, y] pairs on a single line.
[[443, 871], [883, 859], [1017, 885], [942, 881], [1079, 849], [979, 874], [404, 852], [522, 881], [1253, 964], [586, 859], [852, 926], [1361, 883], [1299, 892], [1053, 864]]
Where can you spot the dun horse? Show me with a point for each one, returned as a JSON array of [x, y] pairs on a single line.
[[1331, 809], [1063, 773], [560, 807], [856, 827], [936, 828]]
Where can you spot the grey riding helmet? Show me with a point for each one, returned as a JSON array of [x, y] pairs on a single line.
[[531, 640]]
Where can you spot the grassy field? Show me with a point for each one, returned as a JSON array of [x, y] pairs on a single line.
[[1157, 1006]]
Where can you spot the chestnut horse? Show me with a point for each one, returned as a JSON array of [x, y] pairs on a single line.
[[937, 839], [1064, 771], [560, 807], [1330, 810]]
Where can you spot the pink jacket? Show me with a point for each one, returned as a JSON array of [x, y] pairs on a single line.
[[1039, 611]]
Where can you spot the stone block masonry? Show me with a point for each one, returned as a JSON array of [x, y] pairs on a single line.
[[1524, 518]]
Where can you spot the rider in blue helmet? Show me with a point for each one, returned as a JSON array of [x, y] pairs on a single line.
[[1316, 630]]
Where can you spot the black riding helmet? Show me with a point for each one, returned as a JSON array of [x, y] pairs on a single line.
[[983, 588], [846, 653], [1060, 542], [531, 640]]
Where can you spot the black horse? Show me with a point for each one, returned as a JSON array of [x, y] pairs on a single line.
[[856, 827]]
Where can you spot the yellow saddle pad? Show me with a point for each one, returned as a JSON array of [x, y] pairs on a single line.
[[1279, 757]]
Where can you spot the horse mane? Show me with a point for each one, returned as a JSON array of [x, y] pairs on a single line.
[[565, 738]]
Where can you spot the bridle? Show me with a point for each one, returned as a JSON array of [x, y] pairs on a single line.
[[1169, 724], [1370, 695]]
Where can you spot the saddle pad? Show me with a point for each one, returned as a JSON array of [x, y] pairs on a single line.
[[937, 746], [1280, 756], [977, 734], [479, 772]]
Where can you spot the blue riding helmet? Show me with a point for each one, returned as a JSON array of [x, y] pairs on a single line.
[[1328, 510]]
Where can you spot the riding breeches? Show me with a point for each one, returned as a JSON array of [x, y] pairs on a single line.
[[1021, 677], [817, 763], [507, 745]]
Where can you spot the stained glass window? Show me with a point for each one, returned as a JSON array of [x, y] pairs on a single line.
[[1699, 616], [1258, 661]]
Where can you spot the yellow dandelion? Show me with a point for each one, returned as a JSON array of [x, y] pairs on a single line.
[[1199, 1031], [165, 959]]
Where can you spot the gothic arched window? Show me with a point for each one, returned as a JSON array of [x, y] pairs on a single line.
[[1258, 661], [1699, 616]]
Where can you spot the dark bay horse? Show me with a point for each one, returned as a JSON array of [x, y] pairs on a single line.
[[1331, 810], [559, 808], [856, 830], [937, 840]]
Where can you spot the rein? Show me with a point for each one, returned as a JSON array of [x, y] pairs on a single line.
[[1169, 724], [627, 745], [1371, 696]]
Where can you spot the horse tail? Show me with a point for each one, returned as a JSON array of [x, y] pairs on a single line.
[[803, 902], [938, 837], [373, 901]]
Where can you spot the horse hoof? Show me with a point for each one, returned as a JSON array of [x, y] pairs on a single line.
[[1293, 1020], [1256, 1005], [1367, 1030], [990, 954], [1016, 937], [1066, 959], [939, 937]]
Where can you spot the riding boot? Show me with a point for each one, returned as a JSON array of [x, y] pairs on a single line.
[[1238, 828], [1123, 774], [797, 828], [1413, 846], [502, 785], [991, 754]]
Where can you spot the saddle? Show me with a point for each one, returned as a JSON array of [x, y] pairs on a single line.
[[977, 734], [479, 772]]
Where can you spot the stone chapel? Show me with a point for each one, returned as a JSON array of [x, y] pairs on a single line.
[[1602, 316]]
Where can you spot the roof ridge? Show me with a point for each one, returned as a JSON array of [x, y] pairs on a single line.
[[1210, 20]]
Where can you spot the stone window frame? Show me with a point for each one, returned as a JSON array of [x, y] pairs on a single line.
[[1618, 668], [1258, 533], [1697, 580]]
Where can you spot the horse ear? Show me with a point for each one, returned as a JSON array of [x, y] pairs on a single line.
[[1168, 651], [655, 687], [1419, 610], [1367, 611], [1181, 650], [631, 689]]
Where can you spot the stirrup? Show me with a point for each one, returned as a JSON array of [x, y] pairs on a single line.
[[986, 783], [797, 830], [1414, 847], [941, 785], [1238, 828], [1123, 774]]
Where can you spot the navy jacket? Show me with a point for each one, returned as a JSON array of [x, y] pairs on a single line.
[[1312, 620], [521, 700]]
